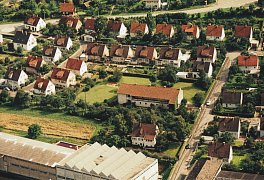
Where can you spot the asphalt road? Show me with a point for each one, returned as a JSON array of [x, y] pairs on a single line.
[[180, 169]]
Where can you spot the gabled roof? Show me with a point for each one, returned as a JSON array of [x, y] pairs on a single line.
[[135, 27], [232, 97], [21, 37], [169, 53], [60, 74], [95, 49], [69, 21], [159, 93], [232, 175], [13, 74], [74, 64], [89, 24], [32, 20], [247, 61], [219, 150], [214, 31], [243, 31], [205, 51], [164, 28], [200, 65], [145, 52], [49, 51], [119, 50], [114, 25], [190, 29], [34, 62], [61, 41], [67, 7], [41, 84], [229, 125], [146, 131]]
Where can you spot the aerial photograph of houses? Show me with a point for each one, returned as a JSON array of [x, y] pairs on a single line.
[[132, 90]]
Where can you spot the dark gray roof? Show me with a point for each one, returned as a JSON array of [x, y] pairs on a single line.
[[21, 37], [13, 74], [200, 65], [231, 175]]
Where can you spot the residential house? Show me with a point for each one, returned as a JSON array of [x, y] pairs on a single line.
[[148, 96], [72, 22], [145, 55], [34, 23], [222, 151], [117, 27], [25, 40], [191, 31], [244, 32], [121, 53], [63, 42], [137, 28], [261, 132], [67, 9], [234, 175], [230, 125], [89, 25], [15, 77], [34, 63], [51, 54], [44, 86], [215, 33], [63, 77], [97, 52], [248, 63], [166, 29], [153, 4], [232, 99], [144, 135], [77, 66], [206, 54], [169, 55]]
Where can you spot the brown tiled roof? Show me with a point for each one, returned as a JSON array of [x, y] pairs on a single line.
[[41, 84], [74, 64], [243, 31], [146, 131], [262, 98], [61, 41], [69, 21], [114, 25], [119, 50], [247, 60], [49, 51], [205, 51], [95, 49], [232, 175], [219, 150], [200, 65], [135, 27], [230, 97], [13, 74], [164, 28], [160, 93], [60, 74], [169, 53], [90, 24], [34, 62], [32, 20], [190, 29], [229, 125], [67, 7], [214, 31], [145, 52], [68, 145]]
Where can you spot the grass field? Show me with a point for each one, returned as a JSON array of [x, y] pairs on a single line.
[[237, 159], [134, 80], [173, 150]]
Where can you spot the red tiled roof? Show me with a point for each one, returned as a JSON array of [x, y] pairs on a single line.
[[114, 25], [160, 93], [89, 24], [49, 51], [164, 28], [219, 150], [189, 28], [229, 125], [169, 53], [146, 131], [247, 61], [60, 74], [61, 41], [69, 21], [205, 51], [214, 31], [41, 84], [74, 64], [243, 31], [34, 62], [95, 49], [32, 20], [68, 145], [145, 52], [135, 27], [67, 7], [119, 50]]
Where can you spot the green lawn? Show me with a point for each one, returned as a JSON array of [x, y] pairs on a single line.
[[238, 143], [98, 93], [135, 80], [189, 90], [173, 150], [237, 159]]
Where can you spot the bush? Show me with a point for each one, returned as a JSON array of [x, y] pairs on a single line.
[[34, 131]]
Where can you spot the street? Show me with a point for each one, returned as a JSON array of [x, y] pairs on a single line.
[[180, 169]]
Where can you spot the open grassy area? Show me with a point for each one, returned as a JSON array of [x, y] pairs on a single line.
[[238, 143], [237, 159], [189, 90], [134, 80], [173, 150]]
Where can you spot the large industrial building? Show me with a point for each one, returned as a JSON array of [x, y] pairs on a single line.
[[38, 160]]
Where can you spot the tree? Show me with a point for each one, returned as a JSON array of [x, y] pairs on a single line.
[[249, 143], [102, 74], [211, 130], [19, 50], [34, 131], [4, 96], [151, 21], [100, 25], [261, 3], [153, 78], [227, 138], [203, 81], [261, 74], [198, 99], [169, 74], [117, 75], [253, 132], [22, 99]]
